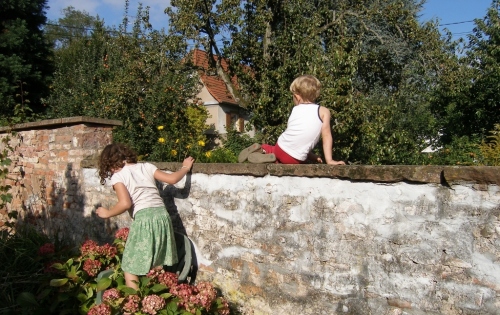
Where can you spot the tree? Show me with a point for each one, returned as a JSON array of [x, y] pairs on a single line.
[[137, 77], [466, 98], [74, 25], [376, 62], [25, 64]]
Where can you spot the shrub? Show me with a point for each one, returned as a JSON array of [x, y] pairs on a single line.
[[72, 287], [491, 150], [461, 151]]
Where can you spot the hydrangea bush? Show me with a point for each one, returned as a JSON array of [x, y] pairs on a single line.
[[73, 286]]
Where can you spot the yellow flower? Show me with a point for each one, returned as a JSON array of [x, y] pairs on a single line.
[[174, 152], [201, 143], [188, 146], [177, 141], [160, 127], [161, 140], [208, 154]]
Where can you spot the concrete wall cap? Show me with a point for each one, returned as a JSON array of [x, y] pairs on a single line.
[[61, 121]]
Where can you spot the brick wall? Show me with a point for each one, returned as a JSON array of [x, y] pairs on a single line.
[[45, 174]]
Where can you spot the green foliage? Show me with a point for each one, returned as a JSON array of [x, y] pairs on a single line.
[[73, 26], [221, 155], [5, 161], [466, 100], [138, 78], [71, 286], [491, 150], [460, 151], [376, 62], [234, 142], [190, 142], [25, 65]]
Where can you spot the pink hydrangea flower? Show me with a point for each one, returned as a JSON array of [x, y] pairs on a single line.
[[92, 267], [224, 309], [111, 295], [155, 272], [101, 309], [206, 295], [46, 249], [158, 275], [89, 247], [122, 234], [168, 279], [187, 296], [151, 304], [107, 250], [184, 291], [131, 304]]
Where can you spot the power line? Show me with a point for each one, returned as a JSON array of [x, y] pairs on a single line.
[[453, 23]]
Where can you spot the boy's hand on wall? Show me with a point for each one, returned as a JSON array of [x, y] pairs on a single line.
[[333, 162]]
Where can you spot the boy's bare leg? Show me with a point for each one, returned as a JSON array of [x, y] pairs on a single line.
[[131, 280]]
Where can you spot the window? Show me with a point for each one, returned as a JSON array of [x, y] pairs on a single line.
[[236, 122]]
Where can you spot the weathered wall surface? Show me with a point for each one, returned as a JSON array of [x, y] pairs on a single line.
[[316, 239], [46, 176]]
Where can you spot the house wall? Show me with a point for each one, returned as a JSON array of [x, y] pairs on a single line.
[[295, 239], [217, 112]]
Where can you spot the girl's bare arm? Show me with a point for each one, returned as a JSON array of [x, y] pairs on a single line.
[[175, 177], [124, 203]]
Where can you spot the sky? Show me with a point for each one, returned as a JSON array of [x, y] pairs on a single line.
[[455, 15]]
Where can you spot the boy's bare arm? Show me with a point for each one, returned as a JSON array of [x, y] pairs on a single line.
[[326, 135]]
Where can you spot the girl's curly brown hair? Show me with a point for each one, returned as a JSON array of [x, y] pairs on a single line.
[[114, 157]]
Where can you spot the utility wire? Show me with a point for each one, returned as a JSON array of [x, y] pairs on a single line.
[[453, 23]]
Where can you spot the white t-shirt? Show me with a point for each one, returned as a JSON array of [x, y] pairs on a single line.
[[302, 132], [141, 185]]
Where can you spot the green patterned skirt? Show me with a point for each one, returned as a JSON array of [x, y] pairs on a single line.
[[150, 242]]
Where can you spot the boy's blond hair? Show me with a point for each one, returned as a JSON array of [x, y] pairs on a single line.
[[307, 86]]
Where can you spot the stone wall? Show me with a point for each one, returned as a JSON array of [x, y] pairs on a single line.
[[45, 174], [315, 239]]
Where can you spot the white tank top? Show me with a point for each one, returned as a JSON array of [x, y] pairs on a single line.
[[302, 132]]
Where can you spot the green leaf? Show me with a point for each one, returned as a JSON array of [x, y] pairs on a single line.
[[27, 299], [158, 287], [166, 295], [103, 284], [58, 266], [44, 293], [127, 290], [81, 297], [58, 282], [144, 281]]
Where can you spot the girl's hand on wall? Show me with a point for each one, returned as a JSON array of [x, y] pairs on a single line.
[[102, 212], [188, 162]]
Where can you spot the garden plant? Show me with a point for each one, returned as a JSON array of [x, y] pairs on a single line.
[[76, 286]]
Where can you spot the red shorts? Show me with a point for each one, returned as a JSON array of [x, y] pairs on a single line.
[[281, 156]]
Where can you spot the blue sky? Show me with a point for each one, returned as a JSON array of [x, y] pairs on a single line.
[[456, 14]]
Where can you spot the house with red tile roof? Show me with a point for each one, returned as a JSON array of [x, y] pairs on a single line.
[[223, 108]]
